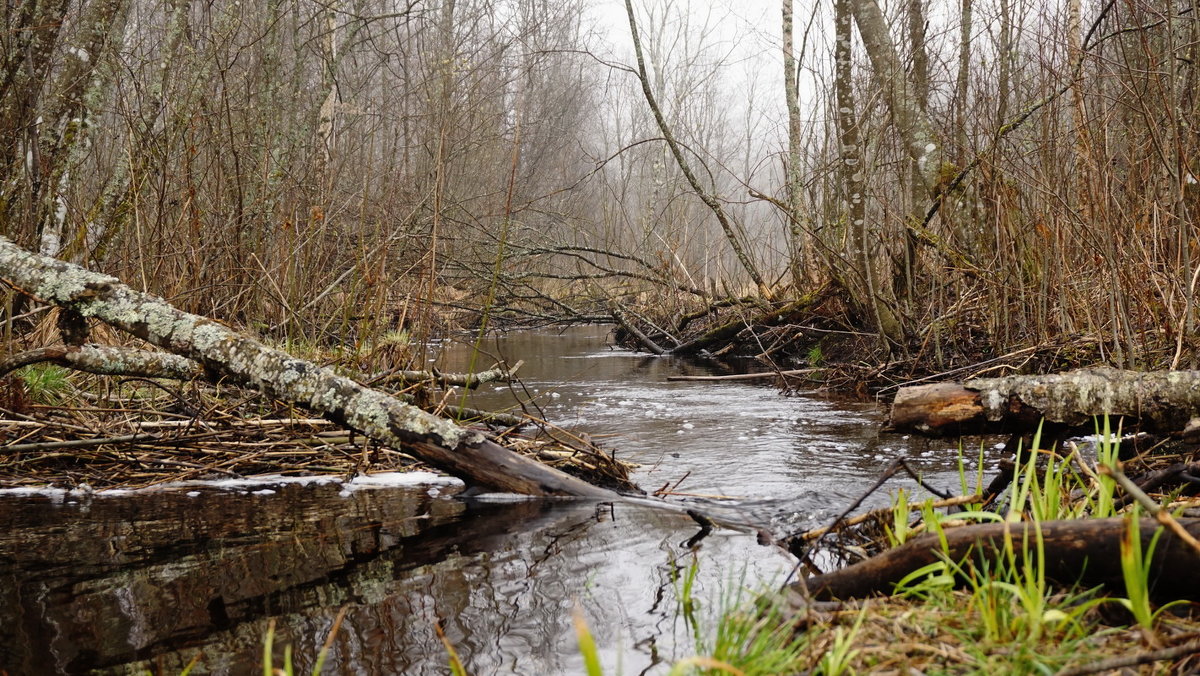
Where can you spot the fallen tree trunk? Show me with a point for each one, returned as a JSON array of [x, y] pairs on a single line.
[[470, 381], [223, 352], [1086, 551], [728, 331], [1157, 402]]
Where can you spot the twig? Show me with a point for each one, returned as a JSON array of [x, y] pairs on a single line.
[[1132, 660], [884, 511], [77, 443], [1161, 515]]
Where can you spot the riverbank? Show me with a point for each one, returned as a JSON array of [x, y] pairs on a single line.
[[1072, 580], [820, 336]]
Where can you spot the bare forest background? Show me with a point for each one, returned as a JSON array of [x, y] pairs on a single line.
[[944, 181]]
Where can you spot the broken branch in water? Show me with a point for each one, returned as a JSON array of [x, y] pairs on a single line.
[[643, 340]]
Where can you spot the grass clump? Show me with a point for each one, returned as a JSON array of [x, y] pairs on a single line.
[[46, 383]]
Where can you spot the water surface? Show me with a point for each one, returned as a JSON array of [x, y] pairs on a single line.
[[126, 583]]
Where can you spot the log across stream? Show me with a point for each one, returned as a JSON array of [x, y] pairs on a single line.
[[205, 567]]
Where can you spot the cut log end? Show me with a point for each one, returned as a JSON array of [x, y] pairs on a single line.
[[936, 409]]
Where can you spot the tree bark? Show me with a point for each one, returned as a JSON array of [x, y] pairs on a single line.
[[910, 118], [1086, 552], [222, 351], [1158, 401], [108, 360]]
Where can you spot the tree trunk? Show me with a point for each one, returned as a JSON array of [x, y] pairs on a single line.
[[903, 101], [1086, 552], [1158, 401], [794, 181], [852, 173], [221, 351]]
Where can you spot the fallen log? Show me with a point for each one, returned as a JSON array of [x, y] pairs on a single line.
[[1086, 551], [728, 331], [1162, 402], [225, 353], [470, 381]]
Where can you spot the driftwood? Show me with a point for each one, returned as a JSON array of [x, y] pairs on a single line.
[[1086, 551], [765, 375], [225, 353], [1157, 402]]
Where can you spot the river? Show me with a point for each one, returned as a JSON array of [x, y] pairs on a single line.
[[125, 582]]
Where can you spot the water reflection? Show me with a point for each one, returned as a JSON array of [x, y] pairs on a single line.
[[120, 585]]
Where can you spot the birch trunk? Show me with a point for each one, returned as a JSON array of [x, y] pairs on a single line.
[[792, 97], [902, 98], [852, 173], [1159, 401]]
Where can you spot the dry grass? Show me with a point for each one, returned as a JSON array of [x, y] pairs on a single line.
[[140, 433]]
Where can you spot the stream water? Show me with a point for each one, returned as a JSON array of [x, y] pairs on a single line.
[[119, 582]]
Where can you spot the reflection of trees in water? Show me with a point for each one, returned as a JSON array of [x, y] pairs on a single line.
[[154, 579]]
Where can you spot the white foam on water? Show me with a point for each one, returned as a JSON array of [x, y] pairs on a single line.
[[383, 479]]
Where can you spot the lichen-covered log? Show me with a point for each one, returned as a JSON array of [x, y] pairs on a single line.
[[1162, 401], [468, 380], [244, 361], [1086, 551], [108, 360]]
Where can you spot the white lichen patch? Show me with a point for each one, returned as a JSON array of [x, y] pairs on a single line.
[[65, 287], [160, 321], [120, 310], [993, 402], [206, 336]]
